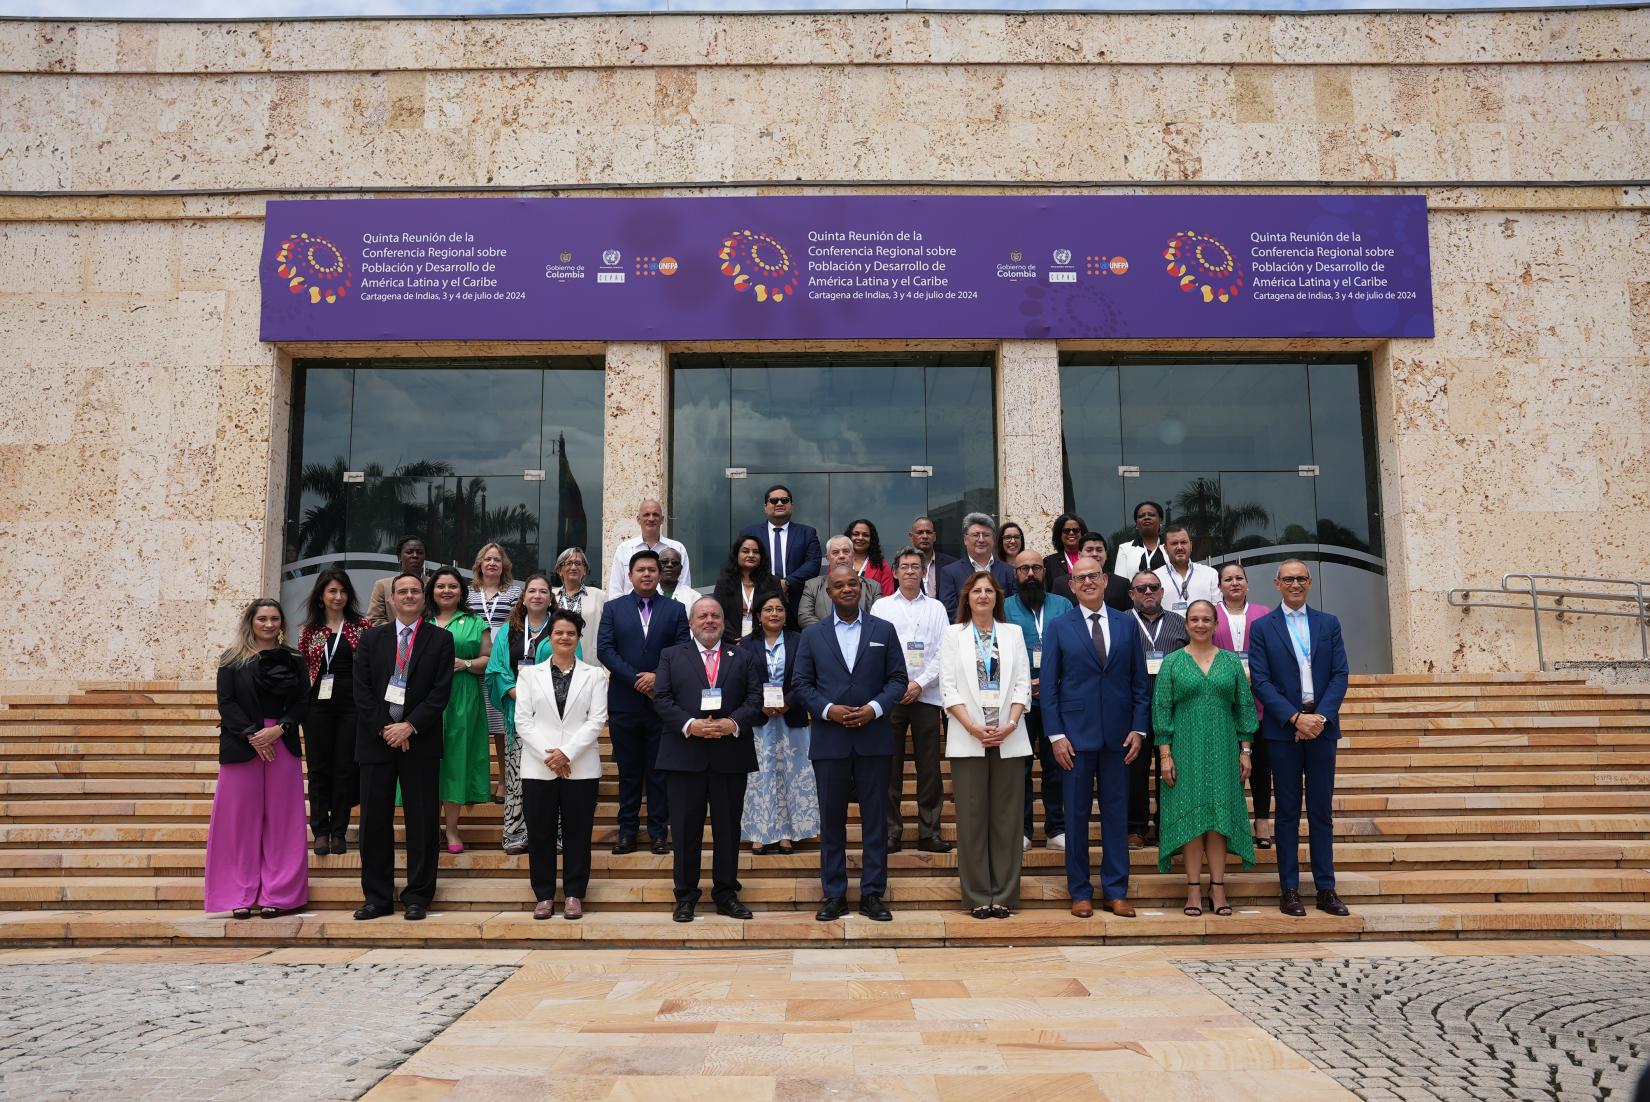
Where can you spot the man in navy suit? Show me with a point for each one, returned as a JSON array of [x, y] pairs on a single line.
[[850, 673], [1095, 707], [793, 549], [1298, 665], [709, 699], [635, 630], [980, 543]]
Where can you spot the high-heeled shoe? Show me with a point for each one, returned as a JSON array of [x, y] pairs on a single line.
[[1225, 909], [1188, 910]]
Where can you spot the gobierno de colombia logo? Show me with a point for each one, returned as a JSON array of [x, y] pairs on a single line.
[[313, 266], [757, 262], [1204, 264]]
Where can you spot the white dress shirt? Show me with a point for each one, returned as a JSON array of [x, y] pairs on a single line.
[[1238, 624], [1299, 628], [919, 621], [1200, 583], [618, 575], [776, 555]]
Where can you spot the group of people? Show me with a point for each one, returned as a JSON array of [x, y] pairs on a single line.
[[801, 681]]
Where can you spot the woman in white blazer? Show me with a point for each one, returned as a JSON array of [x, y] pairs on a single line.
[[561, 707], [985, 686], [573, 595]]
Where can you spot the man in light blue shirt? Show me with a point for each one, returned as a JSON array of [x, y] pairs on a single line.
[[1032, 607]]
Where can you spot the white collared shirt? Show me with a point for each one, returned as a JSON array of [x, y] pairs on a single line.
[[1200, 583], [1105, 623], [618, 575], [1238, 624], [1299, 627], [777, 565], [919, 621]]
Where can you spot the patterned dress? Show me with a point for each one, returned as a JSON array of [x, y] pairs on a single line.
[[781, 798], [1203, 717]]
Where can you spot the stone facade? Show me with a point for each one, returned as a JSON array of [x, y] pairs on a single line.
[[142, 461]]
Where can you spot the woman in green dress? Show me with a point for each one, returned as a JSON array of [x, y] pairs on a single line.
[[1203, 720], [465, 768]]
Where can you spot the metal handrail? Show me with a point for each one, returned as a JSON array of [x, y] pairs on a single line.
[[1530, 595]]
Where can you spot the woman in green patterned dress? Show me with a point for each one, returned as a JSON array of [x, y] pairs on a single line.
[[465, 768], [1203, 720]]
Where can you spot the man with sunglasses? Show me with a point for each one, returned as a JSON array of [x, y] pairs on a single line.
[[1161, 634], [793, 549], [1297, 663]]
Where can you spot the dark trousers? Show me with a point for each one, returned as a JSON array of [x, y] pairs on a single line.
[[924, 722], [837, 779], [1106, 771], [1260, 777], [1054, 797], [690, 794], [564, 806], [420, 810], [635, 750], [334, 781], [1142, 786], [1314, 762]]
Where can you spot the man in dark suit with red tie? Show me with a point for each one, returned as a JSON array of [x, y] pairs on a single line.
[[403, 676], [709, 699], [793, 549]]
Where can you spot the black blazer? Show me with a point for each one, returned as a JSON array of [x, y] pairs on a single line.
[[242, 709], [733, 606], [676, 689], [429, 683], [796, 714]]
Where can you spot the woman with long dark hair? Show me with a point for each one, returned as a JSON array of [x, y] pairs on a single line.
[[868, 559], [331, 633], [744, 583], [781, 801], [255, 844], [1068, 548]]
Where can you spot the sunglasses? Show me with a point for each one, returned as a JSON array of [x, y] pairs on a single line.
[[1147, 588], [779, 501]]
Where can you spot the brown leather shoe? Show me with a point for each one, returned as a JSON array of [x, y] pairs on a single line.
[[1122, 908], [1137, 841], [573, 909], [545, 909], [1082, 908]]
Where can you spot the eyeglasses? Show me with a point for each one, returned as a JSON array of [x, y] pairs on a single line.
[[1030, 568], [1148, 588], [779, 501], [1091, 576], [1294, 579], [909, 568]]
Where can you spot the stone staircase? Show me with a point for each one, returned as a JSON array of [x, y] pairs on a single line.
[[1479, 806]]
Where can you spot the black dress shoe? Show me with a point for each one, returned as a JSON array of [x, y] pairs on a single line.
[[322, 845], [340, 844], [371, 911], [684, 912], [769, 850], [832, 909], [661, 846], [935, 845], [1289, 903], [1330, 902], [415, 912], [873, 908], [733, 908], [625, 845], [894, 845]]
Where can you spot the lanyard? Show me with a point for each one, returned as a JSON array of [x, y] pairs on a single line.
[[530, 638], [1037, 619], [713, 664], [402, 657], [1071, 560], [578, 600], [776, 660], [747, 594], [1304, 645], [489, 608], [985, 651], [1191, 568], [1153, 636], [331, 648]]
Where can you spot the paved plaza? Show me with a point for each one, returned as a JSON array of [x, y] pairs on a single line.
[[1547, 1020]]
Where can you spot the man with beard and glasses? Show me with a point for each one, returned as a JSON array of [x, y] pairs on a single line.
[[1032, 607]]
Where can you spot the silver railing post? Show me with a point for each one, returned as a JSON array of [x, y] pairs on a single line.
[[1644, 630], [1535, 614]]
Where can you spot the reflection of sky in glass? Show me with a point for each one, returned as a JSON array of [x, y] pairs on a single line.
[[477, 421], [1248, 417], [326, 414]]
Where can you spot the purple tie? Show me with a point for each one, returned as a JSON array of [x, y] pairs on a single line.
[[647, 611]]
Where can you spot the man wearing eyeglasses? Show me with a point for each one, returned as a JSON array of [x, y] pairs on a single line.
[[1161, 634], [1033, 608], [793, 549], [1298, 666], [1095, 706], [979, 546]]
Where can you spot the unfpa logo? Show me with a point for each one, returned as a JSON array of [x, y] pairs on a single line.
[[313, 266]]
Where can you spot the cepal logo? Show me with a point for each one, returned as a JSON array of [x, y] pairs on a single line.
[[1204, 264], [757, 262], [313, 266]]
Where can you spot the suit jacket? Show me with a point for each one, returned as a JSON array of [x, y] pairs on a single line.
[[1276, 674], [241, 714], [676, 696], [733, 606], [1096, 709], [1055, 566], [542, 727], [802, 553], [796, 713], [429, 683], [590, 607], [626, 652], [951, 581], [960, 684], [378, 606], [817, 606], [822, 680]]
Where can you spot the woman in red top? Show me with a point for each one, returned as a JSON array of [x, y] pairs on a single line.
[[868, 560], [331, 633]]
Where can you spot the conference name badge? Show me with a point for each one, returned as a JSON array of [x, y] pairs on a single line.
[[744, 626], [710, 700], [1154, 662], [396, 691], [991, 694], [1243, 656], [1179, 606], [914, 655], [324, 690], [1036, 658], [773, 695]]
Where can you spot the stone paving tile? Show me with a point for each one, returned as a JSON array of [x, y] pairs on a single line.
[[73, 1030], [1453, 1027]]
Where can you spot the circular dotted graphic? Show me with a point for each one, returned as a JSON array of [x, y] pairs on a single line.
[[313, 266], [757, 262], [1204, 264]]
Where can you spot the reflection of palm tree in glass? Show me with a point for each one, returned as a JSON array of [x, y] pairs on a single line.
[[1214, 524], [376, 515], [1329, 533]]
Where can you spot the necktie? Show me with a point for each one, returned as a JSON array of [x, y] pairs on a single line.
[[778, 564], [1098, 635], [403, 654], [710, 670], [647, 612]]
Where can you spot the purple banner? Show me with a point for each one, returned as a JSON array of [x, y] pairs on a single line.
[[913, 267]]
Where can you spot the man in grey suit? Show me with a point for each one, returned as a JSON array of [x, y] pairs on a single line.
[[816, 602]]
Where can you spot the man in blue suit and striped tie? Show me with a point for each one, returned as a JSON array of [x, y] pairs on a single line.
[[1298, 665], [1095, 706]]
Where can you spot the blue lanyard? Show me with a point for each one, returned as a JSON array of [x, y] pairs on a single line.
[[984, 650], [1305, 645], [776, 660]]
